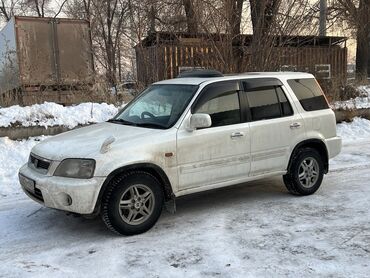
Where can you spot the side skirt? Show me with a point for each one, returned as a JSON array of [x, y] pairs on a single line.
[[227, 183]]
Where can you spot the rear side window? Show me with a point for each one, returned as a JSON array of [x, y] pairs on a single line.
[[309, 94], [268, 103]]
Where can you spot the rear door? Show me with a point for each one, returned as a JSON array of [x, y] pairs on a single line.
[[275, 127], [220, 153]]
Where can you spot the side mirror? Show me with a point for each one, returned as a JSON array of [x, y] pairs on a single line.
[[199, 120]]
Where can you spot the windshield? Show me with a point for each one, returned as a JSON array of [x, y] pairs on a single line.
[[159, 106]]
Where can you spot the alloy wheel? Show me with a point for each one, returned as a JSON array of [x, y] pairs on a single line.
[[136, 204], [308, 172]]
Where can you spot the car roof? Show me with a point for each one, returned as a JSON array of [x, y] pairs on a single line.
[[200, 80]]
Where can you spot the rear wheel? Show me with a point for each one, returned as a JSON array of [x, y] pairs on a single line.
[[306, 172], [132, 203]]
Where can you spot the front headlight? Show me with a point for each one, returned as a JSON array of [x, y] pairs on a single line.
[[76, 168]]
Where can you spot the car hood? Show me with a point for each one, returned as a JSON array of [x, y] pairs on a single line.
[[86, 142]]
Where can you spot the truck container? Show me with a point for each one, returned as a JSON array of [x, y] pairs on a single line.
[[45, 59]]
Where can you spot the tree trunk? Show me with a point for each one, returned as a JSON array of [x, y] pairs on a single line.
[[263, 14], [362, 54], [191, 17], [235, 8], [152, 15], [363, 41], [237, 41]]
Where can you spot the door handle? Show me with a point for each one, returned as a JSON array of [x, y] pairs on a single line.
[[295, 125], [236, 134]]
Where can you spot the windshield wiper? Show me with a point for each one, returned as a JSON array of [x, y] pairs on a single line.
[[150, 125], [153, 125], [121, 121]]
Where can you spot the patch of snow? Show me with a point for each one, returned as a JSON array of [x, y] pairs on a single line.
[[13, 154], [361, 102], [355, 145], [52, 114], [352, 104], [358, 129], [364, 90]]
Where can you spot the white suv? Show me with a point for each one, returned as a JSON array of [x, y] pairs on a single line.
[[187, 135]]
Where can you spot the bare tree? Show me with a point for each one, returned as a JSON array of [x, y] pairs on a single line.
[[6, 12], [108, 23], [38, 6], [357, 14], [61, 6], [10, 7]]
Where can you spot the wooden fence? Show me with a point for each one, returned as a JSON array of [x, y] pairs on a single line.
[[164, 61]]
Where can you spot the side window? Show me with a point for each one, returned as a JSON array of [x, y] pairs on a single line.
[[286, 108], [263, 104], [309, 94], [268, 103], [224, 109]]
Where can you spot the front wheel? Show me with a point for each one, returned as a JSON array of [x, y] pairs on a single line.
[[132, 203], [306, 172]]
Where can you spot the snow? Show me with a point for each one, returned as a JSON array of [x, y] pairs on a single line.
[[52, 114], [360, 102], [358, 129], [356, 149], [13, 154], [356, 103], [255, 229]]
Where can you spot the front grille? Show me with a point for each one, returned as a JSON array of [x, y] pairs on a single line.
[[43, 164], [40, 164]]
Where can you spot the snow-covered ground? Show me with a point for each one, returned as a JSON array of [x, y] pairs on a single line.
[[255, 229], [361, 102], [52, 114]]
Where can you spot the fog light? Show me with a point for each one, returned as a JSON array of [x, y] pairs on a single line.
[[64, 199], [69, 200]]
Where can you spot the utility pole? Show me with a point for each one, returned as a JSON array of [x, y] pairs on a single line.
[[322, 26]]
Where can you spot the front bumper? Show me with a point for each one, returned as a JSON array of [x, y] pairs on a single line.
[[75, 195]]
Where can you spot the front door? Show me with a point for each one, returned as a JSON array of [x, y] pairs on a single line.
[[220, 153]]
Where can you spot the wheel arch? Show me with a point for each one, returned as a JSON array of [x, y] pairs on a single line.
[[316, 144], [150, 168]]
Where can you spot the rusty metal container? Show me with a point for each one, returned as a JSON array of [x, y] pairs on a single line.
[[45, 59]]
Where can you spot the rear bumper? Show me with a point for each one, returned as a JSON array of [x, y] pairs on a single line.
[[69, 194], [334, 146]]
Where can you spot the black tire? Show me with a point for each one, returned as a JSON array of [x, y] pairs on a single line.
[[113, 216], [292, 180]]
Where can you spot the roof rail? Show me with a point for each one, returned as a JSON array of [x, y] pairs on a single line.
[[200, 73]]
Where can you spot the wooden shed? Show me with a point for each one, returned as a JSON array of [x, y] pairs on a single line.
[[163, 55]]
